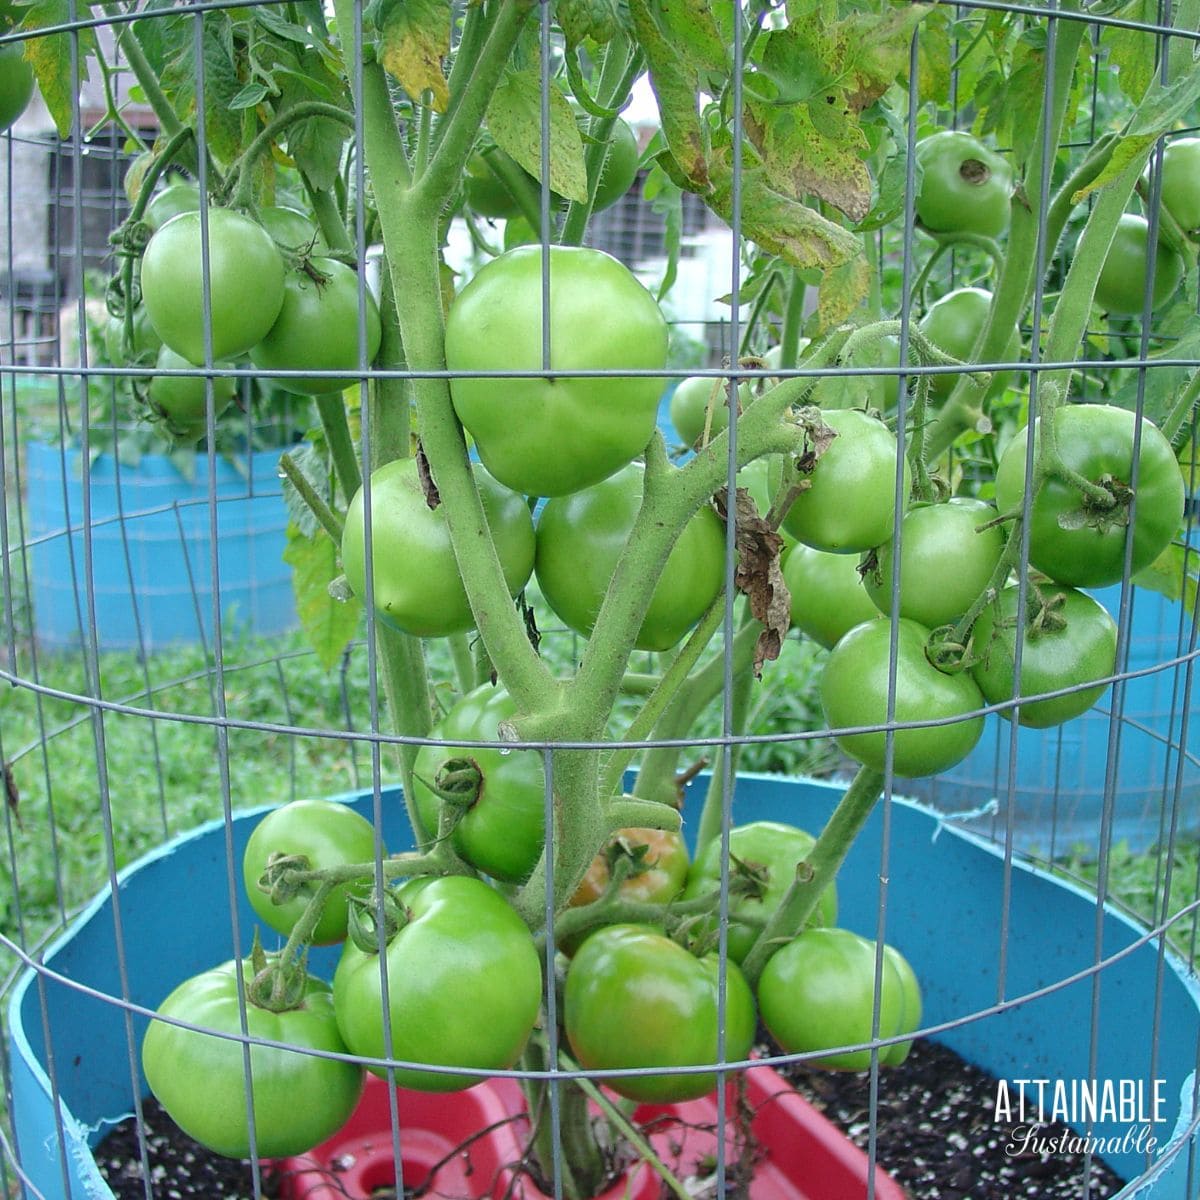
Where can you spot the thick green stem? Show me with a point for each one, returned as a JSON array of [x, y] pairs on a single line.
[[793, 322], [332, 411], [390, 408], [464, 661], [712, 814], [817, 871], [330, 521], [329, 219], [406, 686]]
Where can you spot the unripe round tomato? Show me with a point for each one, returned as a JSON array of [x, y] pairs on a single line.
[[291, 229], [199, 1078], [854, 692], [146, 342], [1181, 182], [851, 503], [417, 586], [484, 190], [818, 993], [1073, 541], [182, 400], [946, 560], [16, 83], [177, 197], [1075, 643], [773, 851], [665, 861], [553, 435], [689, 406], [246, 283], [326, 833], [620, 166], [580, 538], [634, 998], [952, 324], [464, 985], [965, 187], [317, 328], [828, 597], [1121, 286], [502, 831]]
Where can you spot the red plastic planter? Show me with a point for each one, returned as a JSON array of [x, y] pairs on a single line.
[[804, 1156]]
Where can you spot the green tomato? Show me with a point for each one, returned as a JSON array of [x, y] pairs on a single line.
[[771, 851], [291, 229], [851, 503], [620, 168], [1181, 182], [634, 998], [554, 435], [417, 586], [501, 832], [146, 343], [953, 324], [318, 329], [690, 402], [182, 400], [1074, 541], [854, 692], [818, 993], [948, 553], [246, 283], [1121, 286], [965, 187], [580, 539], [327, 834], [485, 192], [1071, 642], [16, 83], [464, 985], [828, 597], [199, 1078], [177, 197]]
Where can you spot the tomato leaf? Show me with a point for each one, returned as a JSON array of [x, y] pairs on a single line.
[[1132, 51], [579, 20], [50, 58], [842, 290], [414, 38], [1175, 573], [315, 143], [514, 119], [328, 624], [666, 200]]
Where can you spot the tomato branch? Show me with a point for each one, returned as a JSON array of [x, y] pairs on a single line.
[[329, 520]]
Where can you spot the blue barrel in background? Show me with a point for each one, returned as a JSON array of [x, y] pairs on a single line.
[[151, 537]]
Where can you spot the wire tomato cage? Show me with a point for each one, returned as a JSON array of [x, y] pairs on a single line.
[[560, 482]]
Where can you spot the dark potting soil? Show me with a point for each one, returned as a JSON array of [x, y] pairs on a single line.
[[935, 1135]]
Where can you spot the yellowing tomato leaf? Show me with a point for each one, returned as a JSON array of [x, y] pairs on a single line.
[[50, 58], [414, 37], [514, 119]]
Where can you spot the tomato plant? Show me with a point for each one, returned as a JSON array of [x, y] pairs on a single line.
[[1180, 193], [827, 594], [770, 852], [417, 586], [1077, 538], [661, 862], [199, 1077], [953, 324], [500, 823], [855, 684], [324, 833], [965, 187], [1069, 641], [634, 998], [948, 553], [690, 407], [1121, 286], [245, 284], [579, 542], [181, 400], [548, 437], [318, 328], [464, 985], [818, 993]]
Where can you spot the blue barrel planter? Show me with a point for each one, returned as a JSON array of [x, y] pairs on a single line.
[[977, 933], [151, 537], [1056, 794]]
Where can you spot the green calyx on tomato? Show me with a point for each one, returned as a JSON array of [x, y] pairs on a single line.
[[580, 538], [245, 284], [953, 324], [965, 187], [948, 553], [502, 826], [417, 586], [552, 435], [1073, 539], [767, 853], [850, 502], [464, 985], [818, 993], [1070, 641], [1121, 285], [199, 1078], [318, 328], [636, 999], [854, 689], [322, 833]]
